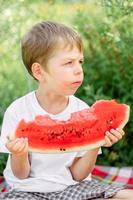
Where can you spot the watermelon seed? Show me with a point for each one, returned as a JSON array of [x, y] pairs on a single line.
[[79, 134], [110, 121], [98, 129], [62, 149]]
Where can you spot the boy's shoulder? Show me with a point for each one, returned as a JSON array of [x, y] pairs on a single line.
[[20, 102]]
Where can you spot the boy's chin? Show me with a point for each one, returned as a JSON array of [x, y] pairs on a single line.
[[70, 93]]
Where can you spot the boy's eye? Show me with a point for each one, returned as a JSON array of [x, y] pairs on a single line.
[[71, 62], [81, 61], [68, 63]]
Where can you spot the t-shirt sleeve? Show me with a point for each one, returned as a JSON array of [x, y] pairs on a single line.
[[8, 127]]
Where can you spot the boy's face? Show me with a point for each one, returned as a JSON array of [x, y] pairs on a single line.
[[64, 74]]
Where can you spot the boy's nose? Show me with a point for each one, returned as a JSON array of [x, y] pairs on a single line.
[[78, 69]]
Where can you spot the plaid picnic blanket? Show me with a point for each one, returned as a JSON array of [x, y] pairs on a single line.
[[114, 175], [108, 174]]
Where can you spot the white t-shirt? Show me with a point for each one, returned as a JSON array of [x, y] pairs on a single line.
[[49, 172]]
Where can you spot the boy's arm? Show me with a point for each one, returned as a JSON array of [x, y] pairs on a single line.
[[82, 167], [20, 164]]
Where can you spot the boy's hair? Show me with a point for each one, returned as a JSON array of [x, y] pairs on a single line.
[[43, 39]]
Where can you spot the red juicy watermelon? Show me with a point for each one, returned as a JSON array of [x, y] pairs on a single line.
[[84, 130]]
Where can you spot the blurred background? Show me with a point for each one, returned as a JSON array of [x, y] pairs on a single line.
[[106, 27]]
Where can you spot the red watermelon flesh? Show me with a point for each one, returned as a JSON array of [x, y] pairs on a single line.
[[83, 131], [112, 115]]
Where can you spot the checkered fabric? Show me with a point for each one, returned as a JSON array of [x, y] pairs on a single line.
[[82, 191], [113, 175]]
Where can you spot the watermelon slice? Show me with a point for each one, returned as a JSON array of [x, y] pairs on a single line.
[[83, 131]]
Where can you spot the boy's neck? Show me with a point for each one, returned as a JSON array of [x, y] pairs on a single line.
[[53, 104]]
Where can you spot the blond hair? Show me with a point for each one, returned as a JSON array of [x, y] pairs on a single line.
[[42, 40]]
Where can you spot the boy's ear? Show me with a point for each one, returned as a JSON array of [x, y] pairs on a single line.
[[37, 71]]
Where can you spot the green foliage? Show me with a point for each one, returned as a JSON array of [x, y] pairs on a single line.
[[106, 28]]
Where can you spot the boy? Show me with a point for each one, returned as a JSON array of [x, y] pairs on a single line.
[[53, 55]]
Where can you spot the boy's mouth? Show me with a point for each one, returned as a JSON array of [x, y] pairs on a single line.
[[76, 83]]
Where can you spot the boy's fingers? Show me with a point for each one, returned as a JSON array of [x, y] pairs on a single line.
[[23, 148], [116, 133], [16, 145], [19, 145], [10, 137], [121, 131], [11, 143], [113, 138], [26, 146], [107, 142]]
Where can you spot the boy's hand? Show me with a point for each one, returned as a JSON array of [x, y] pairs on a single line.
[[113, 136], [17, 146]]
